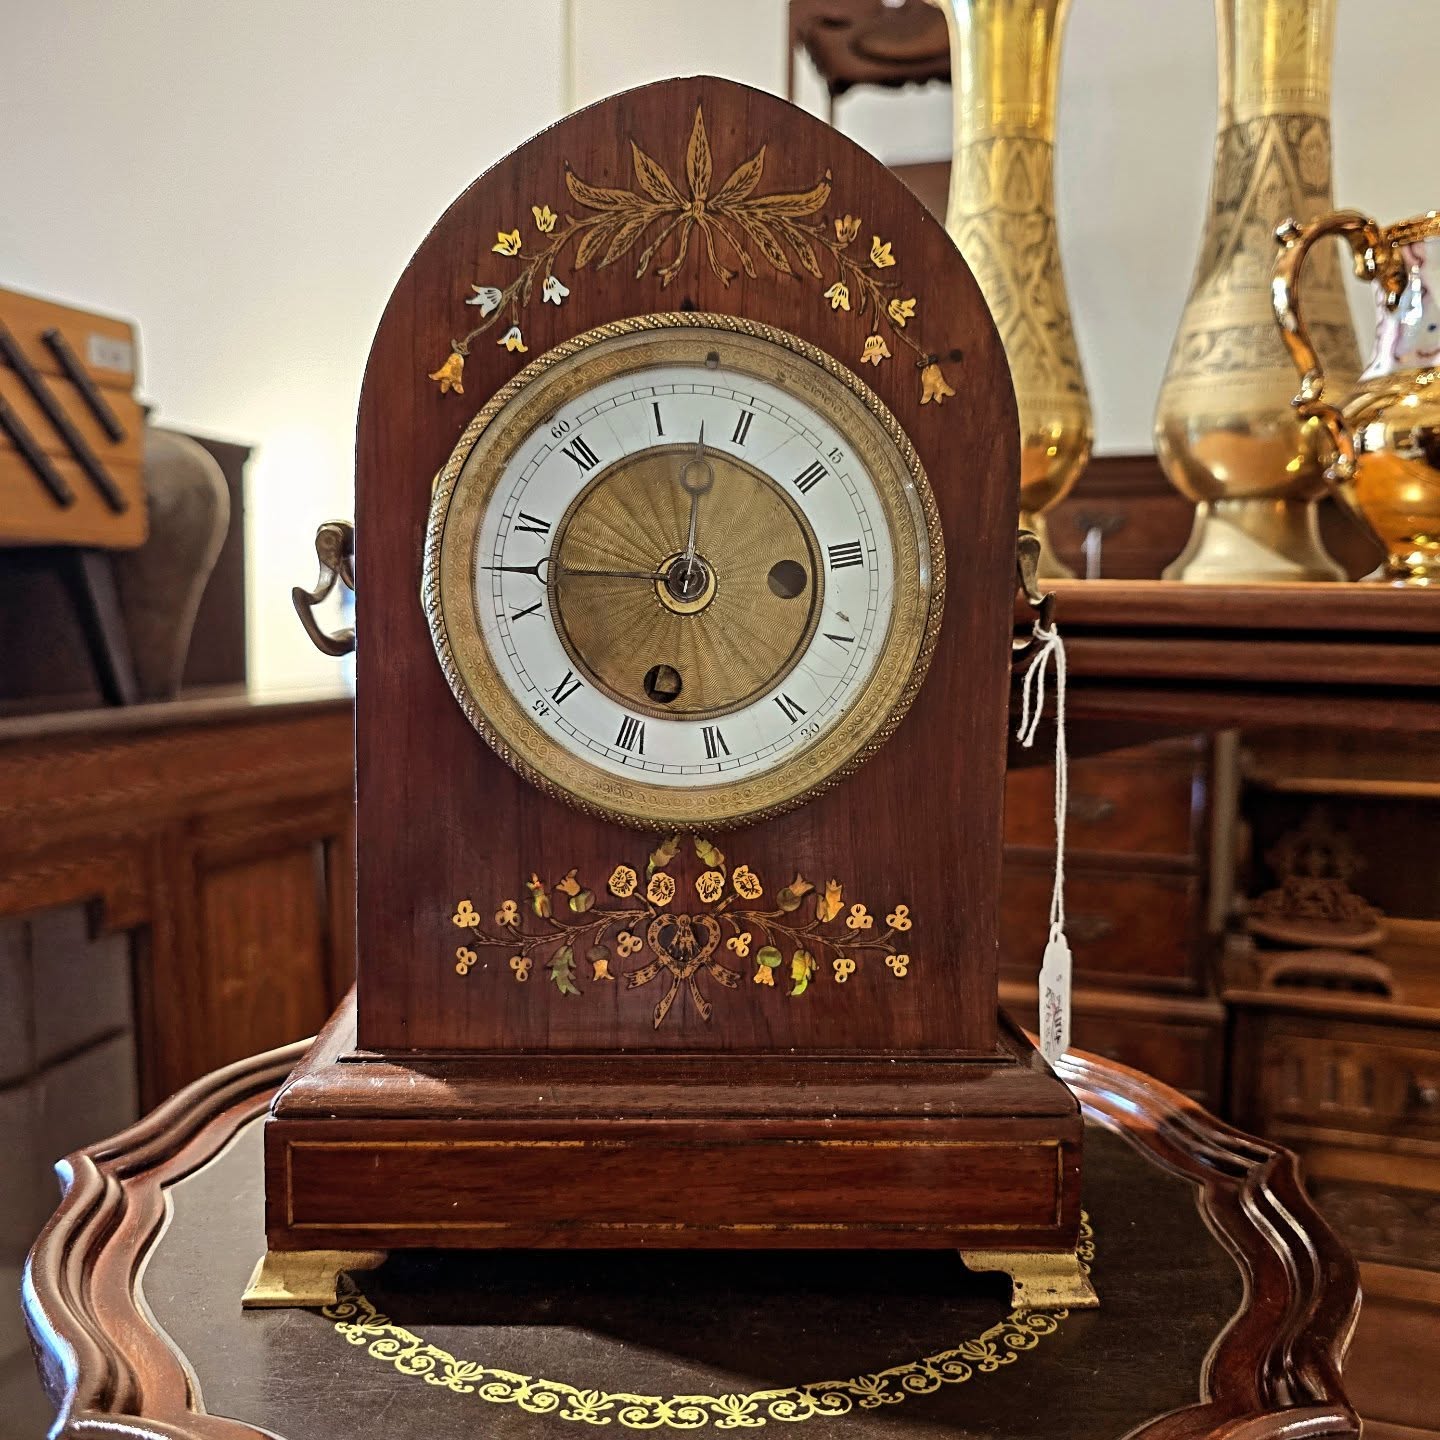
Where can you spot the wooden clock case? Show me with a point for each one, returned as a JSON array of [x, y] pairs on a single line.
[[897, 1108]]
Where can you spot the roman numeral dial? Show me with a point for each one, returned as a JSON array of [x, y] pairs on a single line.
[[691, 571]]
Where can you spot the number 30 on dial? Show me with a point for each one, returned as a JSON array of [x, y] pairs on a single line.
[[684, 575]]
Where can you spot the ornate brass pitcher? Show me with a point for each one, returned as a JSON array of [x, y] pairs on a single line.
[[1382, 441]]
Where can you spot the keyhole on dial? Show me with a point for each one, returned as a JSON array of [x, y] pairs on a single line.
[[663, 684], [787, 578]]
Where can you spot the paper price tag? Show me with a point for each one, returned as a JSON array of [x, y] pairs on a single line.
[[1055, 997], [104, 352]]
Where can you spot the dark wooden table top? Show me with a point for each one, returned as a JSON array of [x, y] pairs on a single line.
[[1226, 1308]]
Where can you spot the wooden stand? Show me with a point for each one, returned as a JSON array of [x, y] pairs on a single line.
[[365, 1152]]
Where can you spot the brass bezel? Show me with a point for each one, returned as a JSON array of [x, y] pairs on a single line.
[[463, 490]]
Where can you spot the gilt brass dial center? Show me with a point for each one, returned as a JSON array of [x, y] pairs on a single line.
[[630, 595], [688, 585]]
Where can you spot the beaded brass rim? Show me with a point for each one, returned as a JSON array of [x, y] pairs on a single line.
[[467, 483]]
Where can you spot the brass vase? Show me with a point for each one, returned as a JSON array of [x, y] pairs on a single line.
[[1224, 428], [1004, 64]]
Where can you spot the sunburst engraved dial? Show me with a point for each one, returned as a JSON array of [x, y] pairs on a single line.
[[682, 575]]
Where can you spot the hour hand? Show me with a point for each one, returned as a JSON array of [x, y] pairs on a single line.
[[613, 574]]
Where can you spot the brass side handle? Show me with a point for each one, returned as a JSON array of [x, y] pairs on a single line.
[[335, 549], [1027, 581]]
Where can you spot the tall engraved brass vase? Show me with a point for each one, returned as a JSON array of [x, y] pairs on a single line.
[[1224, 428], [1004, 64]]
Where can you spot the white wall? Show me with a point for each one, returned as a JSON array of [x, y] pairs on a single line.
[[246, 180]]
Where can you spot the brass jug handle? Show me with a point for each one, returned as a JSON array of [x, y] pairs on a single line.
[[1027, 581], [1376, 258], [335, 549]]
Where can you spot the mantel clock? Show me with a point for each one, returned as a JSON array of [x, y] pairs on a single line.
[[686, 488]]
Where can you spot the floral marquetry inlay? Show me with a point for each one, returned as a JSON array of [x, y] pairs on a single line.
[[661, 223], [574, 935]]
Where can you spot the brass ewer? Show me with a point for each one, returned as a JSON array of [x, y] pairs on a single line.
[[1005, 62], [1224, 429], [1381, 441]]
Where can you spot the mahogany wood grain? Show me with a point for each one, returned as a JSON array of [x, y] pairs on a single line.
[[221, 832], [1286, 609], [1273, 1374], [1140, 802], [1124, 928], [441, 817], [849, 1150]]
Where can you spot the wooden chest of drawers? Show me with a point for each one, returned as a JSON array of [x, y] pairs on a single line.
[[1137, 859]]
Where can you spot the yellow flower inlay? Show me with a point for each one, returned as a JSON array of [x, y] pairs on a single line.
[[508, 914], [622, 882], [513, 340], [859, 918], [507, 242], [569, 885], [844, 968], [520, 964], [627, 944], [710, 886], [847, 227], [747, 883], [901, 310], [451, 374], [899, 918], [600, 966], [740, 943], [933, 385], [465, 915], [545, 218], [661, 889], [875, 350], [839, 296], [831, 903], [880, 256], [464, 959], [764, 975], [900, 964]]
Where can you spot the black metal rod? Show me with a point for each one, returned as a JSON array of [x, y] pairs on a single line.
[[79, 377], [37, 459], [42, 395]]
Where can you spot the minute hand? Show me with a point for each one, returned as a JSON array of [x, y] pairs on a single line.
[[696, 479]]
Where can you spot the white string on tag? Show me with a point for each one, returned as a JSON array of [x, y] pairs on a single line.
[[1055, 967]]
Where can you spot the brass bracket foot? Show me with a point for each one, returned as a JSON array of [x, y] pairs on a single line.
[[303, 1279], [1039, 1280]]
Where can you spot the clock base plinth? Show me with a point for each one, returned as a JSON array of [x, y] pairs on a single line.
[[981, 1154]]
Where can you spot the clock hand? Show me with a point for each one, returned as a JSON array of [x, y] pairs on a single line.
[[534, 569], [616, 574], [537, 571], [697, 478]]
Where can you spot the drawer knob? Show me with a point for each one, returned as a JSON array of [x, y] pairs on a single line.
[[1090, 809], [1089, 927]]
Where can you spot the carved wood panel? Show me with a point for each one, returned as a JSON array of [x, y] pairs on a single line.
[[223, 835]]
